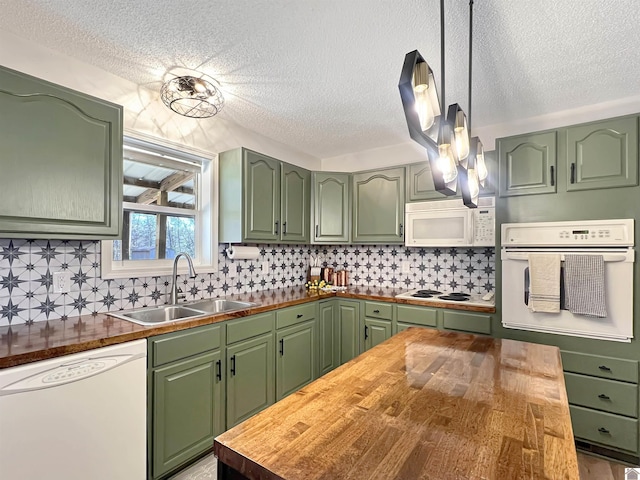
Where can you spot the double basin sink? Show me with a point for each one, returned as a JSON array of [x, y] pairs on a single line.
[[170, 313]]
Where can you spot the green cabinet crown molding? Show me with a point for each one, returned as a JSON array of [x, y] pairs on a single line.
[[378, 206], [262, 199], [61, 161]]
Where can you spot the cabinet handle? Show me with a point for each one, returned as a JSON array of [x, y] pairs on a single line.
[[219, 367], [366, 332], [282, 346], [376, 311], [277, 226], [300, 315], [284, 228], [317, 231], [603, 430], [604, 397], [573, 173], [604, 368], [401, 230], [233, 365], [552, 174]]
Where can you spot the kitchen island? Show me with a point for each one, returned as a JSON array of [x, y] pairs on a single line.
[[424, 404]]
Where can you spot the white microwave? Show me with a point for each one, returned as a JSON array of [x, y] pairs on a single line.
[[448, 223]]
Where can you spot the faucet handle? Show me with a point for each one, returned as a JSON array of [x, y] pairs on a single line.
[[181, 294]]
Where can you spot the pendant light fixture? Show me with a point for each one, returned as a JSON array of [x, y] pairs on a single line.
[[450, 151]]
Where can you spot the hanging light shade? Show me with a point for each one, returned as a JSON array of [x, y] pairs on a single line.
[[191, 96], [426, 96], [481, 167], [458, 121], [471, 185], [446, 167]]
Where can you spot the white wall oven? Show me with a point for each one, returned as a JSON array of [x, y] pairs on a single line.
[[448, 223], [613, 240]]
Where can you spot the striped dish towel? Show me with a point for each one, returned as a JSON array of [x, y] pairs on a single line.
[[584, 285], [544, 291]]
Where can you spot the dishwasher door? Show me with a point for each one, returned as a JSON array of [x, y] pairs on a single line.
[[77, 417]]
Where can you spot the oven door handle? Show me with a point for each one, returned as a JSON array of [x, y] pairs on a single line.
[[608, 257]]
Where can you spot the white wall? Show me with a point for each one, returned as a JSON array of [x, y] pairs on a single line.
[[144, 113]]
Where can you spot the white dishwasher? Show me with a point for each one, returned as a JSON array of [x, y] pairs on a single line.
[[77, 417]]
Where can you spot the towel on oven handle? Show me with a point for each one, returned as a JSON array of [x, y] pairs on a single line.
[[544, 289], [584, 285]]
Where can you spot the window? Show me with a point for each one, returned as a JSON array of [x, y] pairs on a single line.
[[168, 208]]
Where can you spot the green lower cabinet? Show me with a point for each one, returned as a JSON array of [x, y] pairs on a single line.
[[187, 410], [375, 332], [349, 331], [328, 332], [466, 322], [412, 316], [607, 395], [250, 382], [295, 358], [605, 428]]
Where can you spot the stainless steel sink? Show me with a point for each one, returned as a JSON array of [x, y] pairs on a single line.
[[220, 305], [169, 313]]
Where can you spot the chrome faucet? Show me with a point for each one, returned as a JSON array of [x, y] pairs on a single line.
[[176, 293]]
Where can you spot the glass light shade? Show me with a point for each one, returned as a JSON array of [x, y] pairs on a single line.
[[426, 97], [446, 163], [458, 121], [481, 166], [473, 184], [423, 107], [461, 136]]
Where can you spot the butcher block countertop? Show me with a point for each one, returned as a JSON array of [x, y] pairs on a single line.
[[24, 343], [425, 404]]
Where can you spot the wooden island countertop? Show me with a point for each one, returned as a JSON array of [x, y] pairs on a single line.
[[425, 404]]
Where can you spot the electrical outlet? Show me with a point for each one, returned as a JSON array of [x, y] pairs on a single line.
[[61, 282], [233, 271], [265, 268], [406, 267]]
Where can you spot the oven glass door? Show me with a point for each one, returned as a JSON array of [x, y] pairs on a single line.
[[443, 228], [618, 277]]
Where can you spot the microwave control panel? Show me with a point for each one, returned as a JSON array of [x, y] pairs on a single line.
[[484, 227]]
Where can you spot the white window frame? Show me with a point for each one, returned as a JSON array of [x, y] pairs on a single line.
[[206, 259]]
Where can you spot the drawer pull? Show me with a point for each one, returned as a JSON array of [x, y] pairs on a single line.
[[604, 431], [376, 311], [282, 347], [300, 315], [233, 365], [604, 397], [604, 368]]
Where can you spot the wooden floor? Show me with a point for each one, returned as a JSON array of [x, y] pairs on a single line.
[[591, 468]]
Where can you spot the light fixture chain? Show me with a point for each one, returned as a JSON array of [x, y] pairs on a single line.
[[444, 104], [470, 59]]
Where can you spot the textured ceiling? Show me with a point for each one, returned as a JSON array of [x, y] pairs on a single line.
[[321, 75]]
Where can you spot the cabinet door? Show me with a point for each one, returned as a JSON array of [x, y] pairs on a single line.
[[378, 206], [527, 164], [375, 332], [329, 335], [296, 358], [420, 185], [261, 197], [61, 161], [603, 154], [331, 207], [296, 204], [349, 318], [250, 385], [186, 410]]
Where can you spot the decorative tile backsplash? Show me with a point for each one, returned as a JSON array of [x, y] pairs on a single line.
[[27, 268]]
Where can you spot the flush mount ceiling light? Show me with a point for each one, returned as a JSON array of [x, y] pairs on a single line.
[[446, 139], [192, 96]]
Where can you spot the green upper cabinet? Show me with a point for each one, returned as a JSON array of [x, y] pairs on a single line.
[[527, 164], [420, 185], [61, 161], [262, 199], [378, 206], [603, 154], [331, 207], [295, 203]]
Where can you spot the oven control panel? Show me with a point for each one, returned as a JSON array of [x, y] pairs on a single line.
[[588, 232]]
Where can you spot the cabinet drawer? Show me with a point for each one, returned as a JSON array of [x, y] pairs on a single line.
[[177, 345], [608, 395], [417, 315], [378, 310], [605, 428], [292, 315], [599, 366], [249, 327], [467, 322]]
